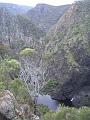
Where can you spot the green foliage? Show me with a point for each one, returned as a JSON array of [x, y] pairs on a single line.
[[50, 85], [19, 90], [47, 55], [27, 52], [12, 64], [2, 86], [15, 85], [66, 113], [77, 29], [85, 113], [49, 116], [70, 59], [3, 50], [9, 65], [8, 68], [43, 109], [28, 28]]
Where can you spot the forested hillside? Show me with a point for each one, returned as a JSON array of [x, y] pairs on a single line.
[[45, 15], [67, 54]]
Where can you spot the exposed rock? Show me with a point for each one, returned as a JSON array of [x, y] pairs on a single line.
[[11, 110], [76, 91], [82, 98], [7, 105]]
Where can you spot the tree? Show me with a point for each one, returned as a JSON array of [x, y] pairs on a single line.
[[19, 90], [8, 68], [28, 71]]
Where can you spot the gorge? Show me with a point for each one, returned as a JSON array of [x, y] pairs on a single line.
[[45, 52]]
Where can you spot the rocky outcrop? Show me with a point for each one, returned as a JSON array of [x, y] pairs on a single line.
[[76, 91], [7, 105], [11, 110]]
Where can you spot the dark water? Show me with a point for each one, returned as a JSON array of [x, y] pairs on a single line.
[[48, 101]]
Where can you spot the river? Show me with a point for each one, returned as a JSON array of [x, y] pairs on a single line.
[[48, 101]]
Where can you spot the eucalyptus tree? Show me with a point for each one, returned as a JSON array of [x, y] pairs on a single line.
[[9, 69], [29, 71]]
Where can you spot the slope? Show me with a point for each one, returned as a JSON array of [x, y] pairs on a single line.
[[67, 54], [46, 15], [17, 31]]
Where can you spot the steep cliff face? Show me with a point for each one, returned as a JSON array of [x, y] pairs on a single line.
[[67, 55], [10, 109], [7, 105], [46, 15], [18, 31]]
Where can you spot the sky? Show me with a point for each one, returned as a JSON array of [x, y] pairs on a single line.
[[34, 2]]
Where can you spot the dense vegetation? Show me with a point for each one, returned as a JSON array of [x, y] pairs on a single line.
[[67, 55], [46, 16], [66, 113]]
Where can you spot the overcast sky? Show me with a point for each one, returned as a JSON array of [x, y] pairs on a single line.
[[34, 2]]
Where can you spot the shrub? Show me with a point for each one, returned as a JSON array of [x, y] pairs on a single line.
[[8, 70], [51, 84], [19, 90], [49, 116], [85, 113], [66, 113], [2, 86], [43, 109], [27, 52], [13, 64]]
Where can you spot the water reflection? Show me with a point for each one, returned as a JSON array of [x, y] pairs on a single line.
[[48, 101]]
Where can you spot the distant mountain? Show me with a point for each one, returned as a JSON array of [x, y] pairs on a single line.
[[15, 9], [46, 15], [18, 30]]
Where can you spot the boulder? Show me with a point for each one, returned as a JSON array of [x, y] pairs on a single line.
[[7, 105]]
